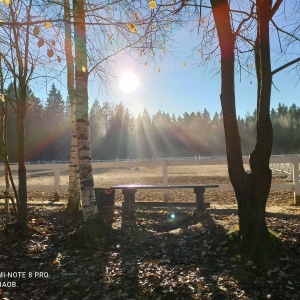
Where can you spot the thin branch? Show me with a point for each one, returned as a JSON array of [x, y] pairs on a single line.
[[285, 32], [286, 66], [275, 8], [245, 20]]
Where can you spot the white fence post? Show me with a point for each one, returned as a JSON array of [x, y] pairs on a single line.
[[296, 180], [165, 179]]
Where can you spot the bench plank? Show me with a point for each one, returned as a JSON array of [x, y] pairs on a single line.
[[159, 186], [167, 204]]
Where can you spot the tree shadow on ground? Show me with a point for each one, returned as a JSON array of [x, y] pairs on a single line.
[[275, 279], [167, 255], [53, 262], [156, 256], [234, 211], [152, 256]]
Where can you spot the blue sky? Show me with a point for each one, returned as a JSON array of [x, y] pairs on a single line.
[[178, 88]]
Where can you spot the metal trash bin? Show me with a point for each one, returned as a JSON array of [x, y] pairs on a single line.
[[105, 200]]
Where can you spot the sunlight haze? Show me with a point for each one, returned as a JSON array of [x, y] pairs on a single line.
[[128, 82]]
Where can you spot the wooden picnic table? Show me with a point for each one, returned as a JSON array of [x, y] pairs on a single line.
[[129, 190]]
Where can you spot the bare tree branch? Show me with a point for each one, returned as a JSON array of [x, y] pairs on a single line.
[[286, 65]]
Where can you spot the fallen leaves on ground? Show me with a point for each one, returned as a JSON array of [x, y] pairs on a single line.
[[154, 256]]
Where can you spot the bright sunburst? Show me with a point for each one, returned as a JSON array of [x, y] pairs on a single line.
[[128, 82]]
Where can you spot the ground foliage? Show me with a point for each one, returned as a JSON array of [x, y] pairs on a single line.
[[153, 256]]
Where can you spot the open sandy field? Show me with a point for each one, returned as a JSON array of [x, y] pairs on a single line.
[[212, 174]]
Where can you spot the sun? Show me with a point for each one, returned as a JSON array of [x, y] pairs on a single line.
[[128, 82]]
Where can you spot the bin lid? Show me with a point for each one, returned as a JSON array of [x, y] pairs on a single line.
[[102, 188]]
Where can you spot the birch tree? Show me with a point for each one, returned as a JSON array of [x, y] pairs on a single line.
[[74, 182], [81, 112], [100, 36]]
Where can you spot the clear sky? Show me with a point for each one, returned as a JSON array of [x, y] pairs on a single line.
[[178, 88]]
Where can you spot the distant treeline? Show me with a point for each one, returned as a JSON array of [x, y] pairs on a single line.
[[115, 133]]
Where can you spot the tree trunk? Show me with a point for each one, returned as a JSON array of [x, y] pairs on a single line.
[[260, 157], [21, 157], [251, 188], [3, 133], [7, 187], [81, 97], [74, 183]]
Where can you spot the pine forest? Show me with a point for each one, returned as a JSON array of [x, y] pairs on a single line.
[[117, 134]]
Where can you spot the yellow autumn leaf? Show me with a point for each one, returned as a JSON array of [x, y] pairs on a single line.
[[47, 25], [131, 27], [203, 20], [184, 63], [83, 69], [136, 16], [7, 2], [152, 4], [158, 70], [3, 98]]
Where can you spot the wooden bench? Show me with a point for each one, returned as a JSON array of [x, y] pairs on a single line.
[[129, 190]]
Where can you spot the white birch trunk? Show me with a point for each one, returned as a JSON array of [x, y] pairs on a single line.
[[89, 207], [74, 183]]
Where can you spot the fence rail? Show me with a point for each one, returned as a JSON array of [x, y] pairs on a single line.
[[280, 165]]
